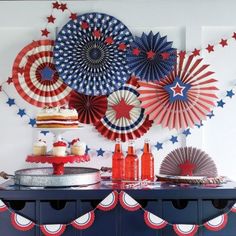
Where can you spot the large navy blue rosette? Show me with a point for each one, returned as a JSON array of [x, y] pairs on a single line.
[[151, 57], [90, 54]]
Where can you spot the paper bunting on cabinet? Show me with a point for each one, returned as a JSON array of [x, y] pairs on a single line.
[[154, 221], [184, 98], [217, 223], [84, 221], [90, 108], [53, 230], [35, 77], [124, 118], [185, 229], [90, 54], [151, 57], [21, 223], [128, 203], [3, 207], [188, 161], [109, 202]]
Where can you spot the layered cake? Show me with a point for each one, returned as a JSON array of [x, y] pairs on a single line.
[[57, 117], [77, 147], [59, 148], [40, 148]]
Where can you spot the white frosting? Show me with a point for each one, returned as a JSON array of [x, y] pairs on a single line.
[[57, 111], [40, 143], [57, 122], [79, 144]]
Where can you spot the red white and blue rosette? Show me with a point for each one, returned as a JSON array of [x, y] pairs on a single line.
[[109, 202], [84, 221], [3, 206], [218, 223], [35, 77], [21, 223], [124, 118], [154, 221], [151, 57], [90, 53], [185, 229], [128, 203], [53, 230], [184, 98]]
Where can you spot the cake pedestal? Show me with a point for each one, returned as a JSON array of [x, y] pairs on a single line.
[[57, 162]]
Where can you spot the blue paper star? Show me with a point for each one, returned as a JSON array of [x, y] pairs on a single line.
[[87, 149], [211, 114], [199, 125], [32, 122], [174, 139], [10, 102], [220, 103], [159, 146], [177, 90], [186, 132], [21, 112], [230, 93], [44, 132], [100, 152]]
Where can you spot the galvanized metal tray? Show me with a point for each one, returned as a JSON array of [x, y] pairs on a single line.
[[43, 177]]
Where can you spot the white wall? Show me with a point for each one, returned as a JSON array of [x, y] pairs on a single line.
[[189, 23]]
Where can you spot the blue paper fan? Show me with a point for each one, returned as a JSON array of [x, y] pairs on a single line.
[[90, 54], [151, 57]]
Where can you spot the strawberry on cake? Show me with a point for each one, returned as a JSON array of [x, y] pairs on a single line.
[[57, 117]]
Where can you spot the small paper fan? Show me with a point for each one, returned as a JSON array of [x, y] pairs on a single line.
[[35, 77], [188, 161], [90, 108]]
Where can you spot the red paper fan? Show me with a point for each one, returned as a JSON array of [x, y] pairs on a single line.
[[53, 230], [21, 223], [90, 108], [218, 223], [184, 98], [128, 203], [109, 202], [124, 118], [185, 230], [154, 221], [35, 77], [85, 221]]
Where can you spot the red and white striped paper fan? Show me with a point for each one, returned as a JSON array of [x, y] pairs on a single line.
[[217, 223], [233, 209], [128, 203], [35, 76], [182, 99], [21, 223], [109, 202], [185, 230], [84, 221], [53, 230], [3, 206], [154, 221]]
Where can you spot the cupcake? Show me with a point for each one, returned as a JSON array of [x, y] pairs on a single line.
[[59, 148], [77, 147], [40, 148]]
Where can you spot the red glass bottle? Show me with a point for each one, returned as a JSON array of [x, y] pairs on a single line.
[[131, 163], [118, 162], [147, 162]]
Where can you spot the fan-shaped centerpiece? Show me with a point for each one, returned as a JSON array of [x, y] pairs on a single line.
[[184, 98], [35, 77], [124, 118], [90, 53], [151, 57]]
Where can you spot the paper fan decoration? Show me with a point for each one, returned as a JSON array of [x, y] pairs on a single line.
[[151, 57], [90, 108], [21, 223], [184, 98], [3, 206], [218, 223], [53, 230], [124, 118], [154, 221], [185, 230], [128, 203], [85, 221], [90, 53], [188, 161], [35, 77], [109, 202]]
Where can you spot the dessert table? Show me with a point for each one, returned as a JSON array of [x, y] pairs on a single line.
[[175, 203]]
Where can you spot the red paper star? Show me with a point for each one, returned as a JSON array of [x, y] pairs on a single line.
[[182, 53], [187, 168], [223, 42], [150, 54], [136, 51], [122, 46], [165, 55], [210, 48], [51, 19], [109, 40], [21, 70], [63, 6], [234, 35], [178, 89], [73, 16], [196, 52], [122, 109], [9, 80], [96, 33], [56, 5], [45, 32], [84, 25]]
